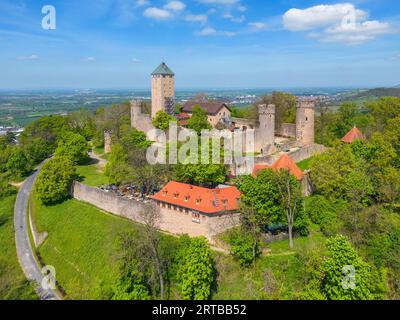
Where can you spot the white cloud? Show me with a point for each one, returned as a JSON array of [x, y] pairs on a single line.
[[141, 3], [135, 60], [319, 16], [202, 18], [242, 8], [157, 14], [207, 31], [31, 57], [231, 18], [257, 26], [223, 2], [175, 6], [342, 23]]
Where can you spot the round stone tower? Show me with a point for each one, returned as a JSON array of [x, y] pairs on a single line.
[[305, 121], [265, 133], [136, 111]]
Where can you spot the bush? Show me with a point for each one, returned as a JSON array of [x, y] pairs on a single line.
[[54, 180], [5, 188], [242, 248], [322, 212]]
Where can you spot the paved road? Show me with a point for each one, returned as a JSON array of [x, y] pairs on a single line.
[[24, 250]]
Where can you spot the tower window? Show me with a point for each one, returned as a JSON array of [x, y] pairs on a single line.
[[306, 118]]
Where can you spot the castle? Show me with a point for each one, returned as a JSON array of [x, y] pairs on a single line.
[[267, 141]]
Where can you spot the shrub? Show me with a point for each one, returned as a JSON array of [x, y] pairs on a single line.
[[54, 180]]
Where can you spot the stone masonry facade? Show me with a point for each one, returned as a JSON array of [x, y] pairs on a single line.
[[173, 220]]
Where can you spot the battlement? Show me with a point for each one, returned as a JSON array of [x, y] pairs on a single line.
[[306, 103], [266, 109]]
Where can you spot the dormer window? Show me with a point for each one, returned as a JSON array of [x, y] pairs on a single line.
[[224, 202], [186, 198], [198, 201], [176, 195], [164, 193]]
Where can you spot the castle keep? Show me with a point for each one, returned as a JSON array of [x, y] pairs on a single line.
[[162, 90]]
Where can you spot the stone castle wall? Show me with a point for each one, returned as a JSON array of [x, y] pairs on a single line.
[[287, 130], [172, 220]]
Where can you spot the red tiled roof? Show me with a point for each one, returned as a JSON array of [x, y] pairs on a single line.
[[284, 162], [353, 135], [198, 198], [211, 107], [183, 116]]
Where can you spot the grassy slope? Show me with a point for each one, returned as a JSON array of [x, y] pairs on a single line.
[[81, 246], [235, 282], [92, 175], [13, 284]]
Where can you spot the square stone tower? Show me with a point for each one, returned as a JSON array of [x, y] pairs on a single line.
[[162, 90], [305, 121]]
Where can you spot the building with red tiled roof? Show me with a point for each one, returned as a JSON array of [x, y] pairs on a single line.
[[284, 162], [353, 135], [216, 110], [187, 197]]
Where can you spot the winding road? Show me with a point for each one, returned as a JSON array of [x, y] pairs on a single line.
[[25, 253]]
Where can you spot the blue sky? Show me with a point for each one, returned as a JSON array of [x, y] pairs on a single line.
[[208, 43]]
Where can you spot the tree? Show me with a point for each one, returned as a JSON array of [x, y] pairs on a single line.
[[198, 121], [346, 118], [151, 219], [82, 122], [338, 174], [36, 150], [5, 188], [73, 145], [115, 119], [54, 180], [338, 282], [383, 110], [208, 175], [162, 119], [17, 163], [285, 107], [196, 271], [261, 194], [324, 213], [133, 280], [245, 244], [47, 128], [291, 198], [117, 168], [134, 139]]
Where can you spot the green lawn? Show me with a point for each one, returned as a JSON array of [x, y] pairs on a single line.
[[13, 284], [81, 246], [91, 175]]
